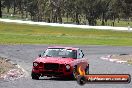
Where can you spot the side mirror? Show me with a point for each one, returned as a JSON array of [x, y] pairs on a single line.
[[39, 55]]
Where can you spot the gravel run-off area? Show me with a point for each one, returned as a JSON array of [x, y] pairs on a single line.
[[10, 70]]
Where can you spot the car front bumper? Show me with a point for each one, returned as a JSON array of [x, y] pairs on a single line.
[[55, 73]]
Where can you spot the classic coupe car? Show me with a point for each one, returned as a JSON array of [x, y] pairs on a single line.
[[60, 62]]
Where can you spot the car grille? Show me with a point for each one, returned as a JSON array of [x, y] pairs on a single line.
[[53, 73], [51, 66]]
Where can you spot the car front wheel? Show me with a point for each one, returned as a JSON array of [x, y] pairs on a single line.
[[35, 76]]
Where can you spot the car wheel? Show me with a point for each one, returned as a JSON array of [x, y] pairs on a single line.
[[81, 80], [87, 70], [35, 76]]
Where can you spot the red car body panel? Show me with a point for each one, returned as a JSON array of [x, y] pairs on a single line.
[[56, 66], [54, 60]]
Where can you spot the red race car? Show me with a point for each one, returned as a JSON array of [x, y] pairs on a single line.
[[60, 62]]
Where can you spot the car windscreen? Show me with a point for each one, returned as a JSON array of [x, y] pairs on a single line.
[[60, 52]]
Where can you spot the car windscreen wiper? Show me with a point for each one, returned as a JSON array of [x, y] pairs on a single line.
[[48, 56], [64, 57]]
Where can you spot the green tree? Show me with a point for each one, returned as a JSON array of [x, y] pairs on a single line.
[[0, 9], [91, 9]]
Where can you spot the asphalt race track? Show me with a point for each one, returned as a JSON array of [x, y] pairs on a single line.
[[25, 54]]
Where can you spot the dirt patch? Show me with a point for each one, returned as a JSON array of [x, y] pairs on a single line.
[[123, 57], [5, 65], [9, 70]]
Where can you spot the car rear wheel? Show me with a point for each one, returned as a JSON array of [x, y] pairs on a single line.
[[35, 76]]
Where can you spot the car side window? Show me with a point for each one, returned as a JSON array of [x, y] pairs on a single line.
[[80, 54]]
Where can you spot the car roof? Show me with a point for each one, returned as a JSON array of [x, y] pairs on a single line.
[[71, 48]]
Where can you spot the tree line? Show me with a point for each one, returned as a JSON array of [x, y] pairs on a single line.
[[77, 11]]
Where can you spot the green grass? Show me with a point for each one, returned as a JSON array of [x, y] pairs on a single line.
[[117, 24], [11, 33]]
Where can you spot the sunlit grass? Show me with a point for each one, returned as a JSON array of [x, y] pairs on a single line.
[[117, 23], [31, 34]]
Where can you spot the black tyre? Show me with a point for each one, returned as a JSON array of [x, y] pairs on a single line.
[[81, 80], [35, 76]]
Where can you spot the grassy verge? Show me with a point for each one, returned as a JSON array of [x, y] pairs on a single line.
[[121, 23], [30, 34]]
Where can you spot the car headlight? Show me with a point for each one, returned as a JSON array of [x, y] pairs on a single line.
[[68, 67], [35, 64]]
